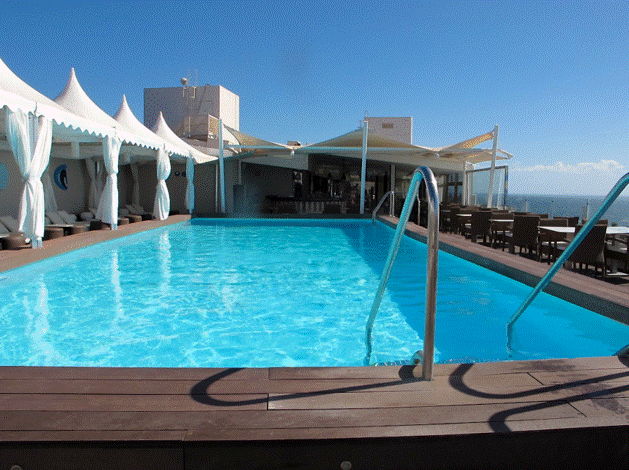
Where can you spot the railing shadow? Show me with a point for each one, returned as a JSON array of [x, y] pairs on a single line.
[[199, 392], [497, 422]]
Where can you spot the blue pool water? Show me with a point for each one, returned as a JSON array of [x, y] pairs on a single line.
[[260, 293]]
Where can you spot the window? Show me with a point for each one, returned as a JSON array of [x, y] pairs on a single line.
[[387, 125]]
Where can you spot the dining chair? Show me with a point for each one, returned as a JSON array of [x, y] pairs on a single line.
[[591, 250], [549, 242], [523, 234]]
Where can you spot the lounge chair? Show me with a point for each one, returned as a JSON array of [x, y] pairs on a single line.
[[72, 219], [14, 239], [68, 222], [124, 212], [138, 210]]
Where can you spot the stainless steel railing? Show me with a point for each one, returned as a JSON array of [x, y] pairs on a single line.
[[390, 194], [431, 267], [608, 201]]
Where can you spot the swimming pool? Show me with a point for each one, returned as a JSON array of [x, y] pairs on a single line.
[[262, 293]]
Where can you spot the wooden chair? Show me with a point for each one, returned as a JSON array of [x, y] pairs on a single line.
[[572, 221], [591, 250], [499, 225], [549, 242], [523, 233], [618, 250], [479, 225]]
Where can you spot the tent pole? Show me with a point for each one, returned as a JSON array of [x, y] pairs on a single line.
[[490, 191], [465, 185], [221, 164], [392, 205], [363, 168]]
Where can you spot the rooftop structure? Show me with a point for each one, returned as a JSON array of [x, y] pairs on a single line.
[[398, 128], [186, 109]]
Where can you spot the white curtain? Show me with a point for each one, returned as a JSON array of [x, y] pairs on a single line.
[[32, 161], [93, 197], [108, 204], [190, 188], [135, 195], [95, 172], [161, 206], [50, 201]]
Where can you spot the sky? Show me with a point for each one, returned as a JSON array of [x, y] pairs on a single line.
[[554, 76]]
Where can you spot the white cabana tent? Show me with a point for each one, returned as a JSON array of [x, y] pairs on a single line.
[[161, 206], [74, 98], [193, 156], [32, 122]]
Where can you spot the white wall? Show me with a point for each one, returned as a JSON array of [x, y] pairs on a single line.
[[399, 128], [229, 108], [173, 103]]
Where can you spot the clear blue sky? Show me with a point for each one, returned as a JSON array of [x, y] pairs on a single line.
[[553, 75]]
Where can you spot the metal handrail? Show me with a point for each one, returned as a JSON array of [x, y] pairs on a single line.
[[387, 194], [608, 201], [431, 266]]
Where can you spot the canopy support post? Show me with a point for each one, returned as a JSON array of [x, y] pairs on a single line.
[[490, 192], [221, 165], [363, 167], [392, 203]]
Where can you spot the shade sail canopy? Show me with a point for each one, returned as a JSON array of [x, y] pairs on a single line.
[[383, 148], [354, 140], [15, 94], [465, 151], [163, 131], [74, 98], [249, 143]]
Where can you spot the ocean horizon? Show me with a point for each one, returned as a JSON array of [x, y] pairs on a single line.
[[570, 206]]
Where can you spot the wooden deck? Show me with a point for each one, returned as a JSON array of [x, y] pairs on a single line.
[[530, 414]]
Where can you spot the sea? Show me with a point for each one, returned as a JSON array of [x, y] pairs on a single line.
[[570, 206]]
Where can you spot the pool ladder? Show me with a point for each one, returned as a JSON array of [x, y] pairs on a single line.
[[427, 356], [389, 194], [578, 238]]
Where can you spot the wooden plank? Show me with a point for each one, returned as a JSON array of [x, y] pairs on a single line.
[[132, 373], [66, 402], [256, 419], [487, 368], [607, 376], [443, 397], [615, 407], [180, 387]]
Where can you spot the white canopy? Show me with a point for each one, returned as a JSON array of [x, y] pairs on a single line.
[[126, 118], [162, 130], [74, 98], [253, 144], [15, 95]]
